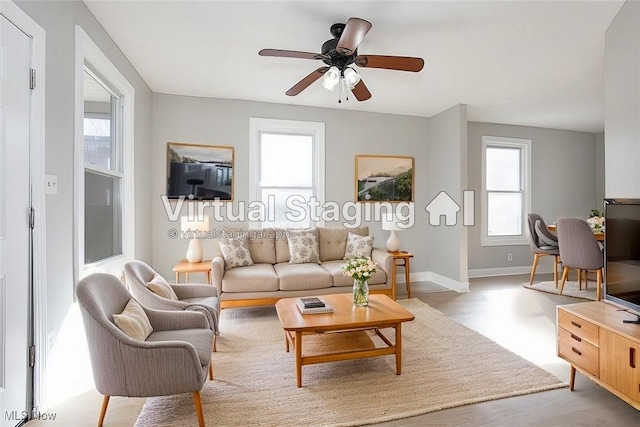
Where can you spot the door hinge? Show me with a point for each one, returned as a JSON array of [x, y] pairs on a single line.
[[32, 356], [32, 218], [32, 79]]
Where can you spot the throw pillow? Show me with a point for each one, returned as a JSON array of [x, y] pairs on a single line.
[[358, 246], [544, 235], [235, 252], [133, 321], [159, 286], [303, 246]]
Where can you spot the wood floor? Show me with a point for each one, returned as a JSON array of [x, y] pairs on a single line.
[[521, 320]]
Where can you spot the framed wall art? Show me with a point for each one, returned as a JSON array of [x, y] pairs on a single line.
[[199, 172], [384, 178]]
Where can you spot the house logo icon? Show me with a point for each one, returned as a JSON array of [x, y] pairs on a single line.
[[444, 205]]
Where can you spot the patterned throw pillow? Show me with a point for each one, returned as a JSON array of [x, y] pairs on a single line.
[[235, 252], [133, 321], [303, 246], [358, 246], [161, 287]]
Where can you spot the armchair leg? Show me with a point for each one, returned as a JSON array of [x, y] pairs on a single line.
[[198, 404], [533, 267], [215, 343], [565, 273], [211, 370], [103, 410], [555, 269], [599, 284]]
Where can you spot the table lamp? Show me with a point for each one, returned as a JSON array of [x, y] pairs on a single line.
[[390, 223], [194, 225]]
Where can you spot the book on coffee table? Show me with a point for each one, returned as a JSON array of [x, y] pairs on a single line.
[[325, 308], [311, 302]]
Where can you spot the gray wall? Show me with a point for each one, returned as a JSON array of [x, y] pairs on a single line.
[[565, 182], [622, 103], [447, 158], [600, 172], [58, 19], [226, 122]]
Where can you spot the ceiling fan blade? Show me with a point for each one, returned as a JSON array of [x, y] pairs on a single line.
[[352, 35], [289, 54], [306, 82], [361, 92], [402, 63]]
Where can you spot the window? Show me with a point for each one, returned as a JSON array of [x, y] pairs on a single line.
[[287, 171], [104, 162], [505, 190]]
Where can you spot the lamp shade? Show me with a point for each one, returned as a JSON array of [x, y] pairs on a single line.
[[390, 222], [351, 78], [331, 78], [194, 223]]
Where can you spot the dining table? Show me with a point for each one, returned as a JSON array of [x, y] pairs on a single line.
[[599, 235]]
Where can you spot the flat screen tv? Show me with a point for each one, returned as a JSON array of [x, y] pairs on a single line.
[[622, 253]]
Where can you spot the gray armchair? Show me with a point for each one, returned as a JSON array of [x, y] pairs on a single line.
[[190, 296], [541, 248], [579, 249], [173, 359]]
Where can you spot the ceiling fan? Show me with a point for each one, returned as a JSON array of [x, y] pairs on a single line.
[[339, 53]]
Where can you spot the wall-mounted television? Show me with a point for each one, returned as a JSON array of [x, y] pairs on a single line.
[[622, 253]]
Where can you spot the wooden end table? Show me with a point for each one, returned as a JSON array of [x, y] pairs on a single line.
[[382, 312], [187, 267], [401, 259]]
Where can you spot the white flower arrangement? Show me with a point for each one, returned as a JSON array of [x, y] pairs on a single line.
[[596, 223], [359, 268]]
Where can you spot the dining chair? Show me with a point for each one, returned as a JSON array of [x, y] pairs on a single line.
[[579, 249], [542, 245]]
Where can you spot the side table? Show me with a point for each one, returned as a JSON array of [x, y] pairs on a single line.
[[401, 259], [187, 267]]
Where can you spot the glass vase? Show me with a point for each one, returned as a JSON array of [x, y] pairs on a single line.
[[360, 293]]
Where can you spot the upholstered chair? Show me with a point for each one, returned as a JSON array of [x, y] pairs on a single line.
[[542, 244], [579, 249], [161, 353], [140, 279]]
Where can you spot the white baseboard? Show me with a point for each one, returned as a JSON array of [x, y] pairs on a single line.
[[509, 271], [430, 276]]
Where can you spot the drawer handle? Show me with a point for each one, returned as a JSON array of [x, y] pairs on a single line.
[[632, 357], [576, 338], [577, 325], [578, 352]]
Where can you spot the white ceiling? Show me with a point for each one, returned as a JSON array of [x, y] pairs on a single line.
[[532, 63]]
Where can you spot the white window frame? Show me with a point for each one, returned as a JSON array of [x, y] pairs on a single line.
[[293, 127], [87, 52], [525, 169]]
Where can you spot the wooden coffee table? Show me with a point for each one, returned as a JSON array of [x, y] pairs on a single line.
[[382, 312]]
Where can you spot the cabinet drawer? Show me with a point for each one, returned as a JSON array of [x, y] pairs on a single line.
[[578, 351], [579, 327]]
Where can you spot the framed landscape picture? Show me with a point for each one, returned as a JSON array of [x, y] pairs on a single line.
[[199, 172], [384, 178]]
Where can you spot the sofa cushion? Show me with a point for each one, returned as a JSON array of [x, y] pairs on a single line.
[[282, 244], [332, 242], [262, 246], [254, 278], [295, 277], [303, 246], [133, 321], [235, 252], [358, 246], [201, 339], [339, 279], [159, 286]]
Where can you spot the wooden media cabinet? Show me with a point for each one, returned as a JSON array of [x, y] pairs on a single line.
[[595, 341]]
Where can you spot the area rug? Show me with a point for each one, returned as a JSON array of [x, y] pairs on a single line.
[[444, 365], [570, 289]]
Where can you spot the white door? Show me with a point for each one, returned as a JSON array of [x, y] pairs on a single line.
[[15, 258]]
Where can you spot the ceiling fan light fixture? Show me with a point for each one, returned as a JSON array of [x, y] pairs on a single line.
[[351, 78], [331, 78]]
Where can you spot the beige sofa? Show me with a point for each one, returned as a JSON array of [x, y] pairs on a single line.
[[272, 276]]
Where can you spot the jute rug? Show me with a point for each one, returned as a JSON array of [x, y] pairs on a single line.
[[570, 289], [445, 365]]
